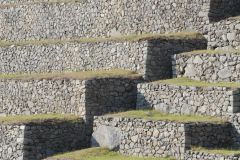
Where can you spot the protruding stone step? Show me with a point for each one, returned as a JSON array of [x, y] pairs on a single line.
[[81, 93], [38, 136], [185, 96], [208, 65], [148, 54], [150, 133]]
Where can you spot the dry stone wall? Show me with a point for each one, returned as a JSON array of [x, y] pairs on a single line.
[[196, 155], [37, 141], [225, 33], [152, 58], [208, 66], [214, 101], [80, 97], [141, 137], [94, 18]]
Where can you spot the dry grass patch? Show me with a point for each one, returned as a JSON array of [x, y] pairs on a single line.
[[129, 38], [81, 75], [189, 82], [40, 118], [158, 116]]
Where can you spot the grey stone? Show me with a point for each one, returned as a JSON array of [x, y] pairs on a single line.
[[224, 73], [106, 136]]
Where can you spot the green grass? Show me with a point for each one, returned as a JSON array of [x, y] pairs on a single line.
[[233, 51], [216, 151], [158, 116], [98, 154], [130, 38], [40, 118], [114, 73], [189, 82]]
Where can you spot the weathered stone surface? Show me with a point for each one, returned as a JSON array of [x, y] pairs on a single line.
[[85, 98], [106, 136], [37, 141], [164, 138], [95, 18], [218, 67], [169, 98], [152, 58]]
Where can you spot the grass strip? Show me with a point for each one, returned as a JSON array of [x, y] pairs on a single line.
[[39, 118], [81, 75], [183, 81], [98, 154], [158, 116], [124, 38]]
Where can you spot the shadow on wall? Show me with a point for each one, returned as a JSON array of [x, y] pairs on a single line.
[[159, 62], [110, 96], [222, 9], [43, 140]]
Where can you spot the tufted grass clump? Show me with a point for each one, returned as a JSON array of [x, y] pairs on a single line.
[[220, 151], [158, 116], [98, 154], [113, 73], [123, 38], [39, 119], [183, 81]]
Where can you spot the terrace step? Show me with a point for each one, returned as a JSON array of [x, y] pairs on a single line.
[[148, 54], [150, 133], [81, 93], [38, 136], [208, 65], [185, 96]]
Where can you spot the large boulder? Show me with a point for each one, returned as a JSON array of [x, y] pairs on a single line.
[[106, 136]]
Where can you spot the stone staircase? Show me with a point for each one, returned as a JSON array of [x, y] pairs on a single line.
[[65, 64]]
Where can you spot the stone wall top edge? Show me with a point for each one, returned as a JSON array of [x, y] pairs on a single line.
[[110, 118], [177, 86]]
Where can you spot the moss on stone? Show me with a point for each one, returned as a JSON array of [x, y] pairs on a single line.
[[98, 154], [158, 116], [189, 82], [81, 75], [39, 119]]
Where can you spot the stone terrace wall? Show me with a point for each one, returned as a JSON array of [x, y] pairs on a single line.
[[36, 141], [208, 67], [149, 57], [11, 144], [195, 155], [42, 96], [104, 18], [110, 96], [215, 101], [224, 33], [79, 97], [163, 138]]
